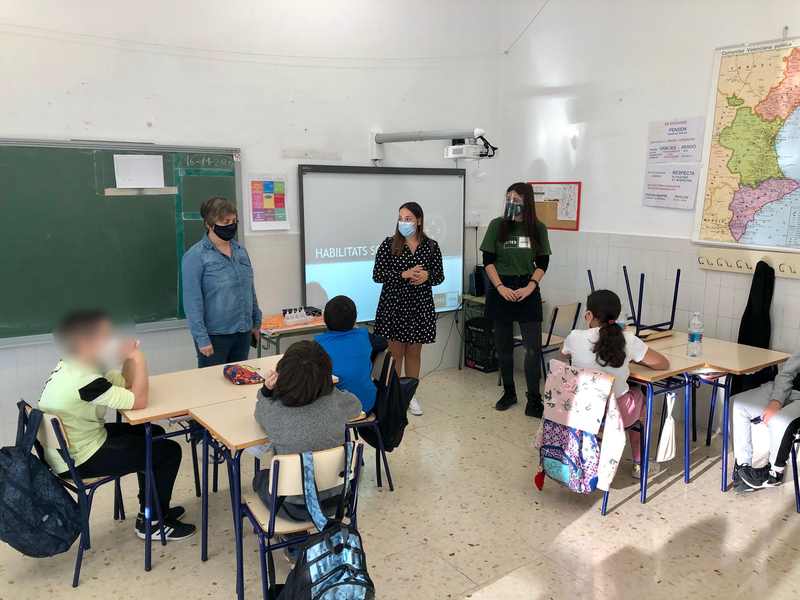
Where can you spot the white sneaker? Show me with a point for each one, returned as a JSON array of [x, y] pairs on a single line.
[[414, 407]]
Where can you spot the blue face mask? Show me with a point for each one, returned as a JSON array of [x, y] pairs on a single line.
[[406, 228]]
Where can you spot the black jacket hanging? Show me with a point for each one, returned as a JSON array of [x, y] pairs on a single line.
[[755, 328]]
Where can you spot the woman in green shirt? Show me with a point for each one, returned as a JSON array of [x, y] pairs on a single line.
[[516, 253]]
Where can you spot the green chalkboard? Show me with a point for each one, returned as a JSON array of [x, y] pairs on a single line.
[[69, 243]]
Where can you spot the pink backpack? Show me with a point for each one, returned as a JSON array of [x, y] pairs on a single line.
[[574, 406]]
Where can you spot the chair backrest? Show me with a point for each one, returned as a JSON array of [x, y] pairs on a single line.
[[46, 435], [328, 470], [576, 397], [563, 320], [377, 364]]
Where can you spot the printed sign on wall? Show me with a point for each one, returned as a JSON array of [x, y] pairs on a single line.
[[267, 202]]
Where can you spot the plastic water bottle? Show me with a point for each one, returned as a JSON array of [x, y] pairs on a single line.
[[694, 347]]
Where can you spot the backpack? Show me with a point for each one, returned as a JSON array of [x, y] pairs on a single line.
[[574, 406], [570, 456], [38, 517], [332, 564], [391, 407]]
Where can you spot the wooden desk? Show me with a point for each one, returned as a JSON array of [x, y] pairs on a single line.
[[731, 357], [678, 365], [677, 340], [174, 394]]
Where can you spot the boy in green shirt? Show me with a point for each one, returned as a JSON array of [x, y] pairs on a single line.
[[80, 390]]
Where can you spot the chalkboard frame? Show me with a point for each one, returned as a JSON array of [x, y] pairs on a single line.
[[88, 144]]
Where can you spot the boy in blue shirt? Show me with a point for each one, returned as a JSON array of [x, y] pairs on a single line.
[[351, 350]]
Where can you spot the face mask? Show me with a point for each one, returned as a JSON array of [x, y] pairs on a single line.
[[406, 228], [513, 210], [225, 232]]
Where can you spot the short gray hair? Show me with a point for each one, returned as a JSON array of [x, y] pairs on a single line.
[[215, 208]]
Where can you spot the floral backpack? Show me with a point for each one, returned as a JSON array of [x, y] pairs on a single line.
[[574, 406]]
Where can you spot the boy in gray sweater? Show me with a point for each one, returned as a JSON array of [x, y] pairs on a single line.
[[301, 410], [774, 404]]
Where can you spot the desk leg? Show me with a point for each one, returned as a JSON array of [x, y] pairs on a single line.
[[687, 423], [277, 344], [461, 345], [204, 502], [234, 478], [726, 409], [648, 429], [260, 342], [148, 485]]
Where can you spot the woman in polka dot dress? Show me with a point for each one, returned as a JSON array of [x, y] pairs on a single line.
[[408, 264]]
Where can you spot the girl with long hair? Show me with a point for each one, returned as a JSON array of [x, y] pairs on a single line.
[[516, 253], [607, 347], [409, 265]]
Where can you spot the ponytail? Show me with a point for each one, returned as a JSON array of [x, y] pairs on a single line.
[[605, 306]]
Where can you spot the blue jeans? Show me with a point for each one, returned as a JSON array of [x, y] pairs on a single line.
[[228, 348]]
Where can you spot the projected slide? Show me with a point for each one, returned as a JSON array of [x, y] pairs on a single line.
[[346, 216]]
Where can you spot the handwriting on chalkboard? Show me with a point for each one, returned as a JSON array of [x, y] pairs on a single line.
[[209, 161]]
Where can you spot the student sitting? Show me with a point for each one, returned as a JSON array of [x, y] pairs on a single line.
[[774, 404], [301, 410], [351, 349], [80, 390], [607, 347]]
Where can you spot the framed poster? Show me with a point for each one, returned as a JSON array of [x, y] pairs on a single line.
[[267, 202]]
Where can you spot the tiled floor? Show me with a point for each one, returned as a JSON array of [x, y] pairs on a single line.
[[466, 522]]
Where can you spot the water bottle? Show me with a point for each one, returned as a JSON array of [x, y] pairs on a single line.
[[694, 346]]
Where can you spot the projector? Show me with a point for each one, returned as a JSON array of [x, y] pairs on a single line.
[[470, 148], [463, 150]]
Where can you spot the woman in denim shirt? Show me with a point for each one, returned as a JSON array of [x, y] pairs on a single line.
[[219, 297]]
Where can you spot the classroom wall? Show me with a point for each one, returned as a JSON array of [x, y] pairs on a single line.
[[285, 82]]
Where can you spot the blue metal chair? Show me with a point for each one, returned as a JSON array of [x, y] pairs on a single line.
[[795, 443], [276, 531], [51, 435]]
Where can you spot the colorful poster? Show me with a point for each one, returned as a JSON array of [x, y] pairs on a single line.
[[268, 208]]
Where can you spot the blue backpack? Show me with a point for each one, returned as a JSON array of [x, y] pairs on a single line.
[[332, 564], [38, 517]]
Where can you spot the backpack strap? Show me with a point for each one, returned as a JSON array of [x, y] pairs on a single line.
[[310, 494], [348, 461], [27, 440]]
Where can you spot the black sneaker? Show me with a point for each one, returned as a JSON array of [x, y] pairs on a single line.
[[774, 478], [753, 477], [507, 400], [534, 406], [739, 486], [174, 530], [173, 514]]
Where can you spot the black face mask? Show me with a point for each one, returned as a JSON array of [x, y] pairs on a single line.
[[226, 232]]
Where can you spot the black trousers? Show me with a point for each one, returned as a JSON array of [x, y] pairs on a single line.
[[124, 452], [531, 341], [228, 348]]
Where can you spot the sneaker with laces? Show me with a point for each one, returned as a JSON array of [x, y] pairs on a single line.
[[774, 477], [753, 477], [739, 486], [414, 407], [174, 530]]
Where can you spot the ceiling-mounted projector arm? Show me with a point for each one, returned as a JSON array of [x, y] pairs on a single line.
[[424, 136], [466, 143]]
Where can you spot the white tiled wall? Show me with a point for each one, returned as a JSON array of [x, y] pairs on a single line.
[[719, 297]]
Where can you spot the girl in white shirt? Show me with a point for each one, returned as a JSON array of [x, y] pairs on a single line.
[[607, 347]]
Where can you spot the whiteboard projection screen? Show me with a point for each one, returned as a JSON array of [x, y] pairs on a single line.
[[347, 212]]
